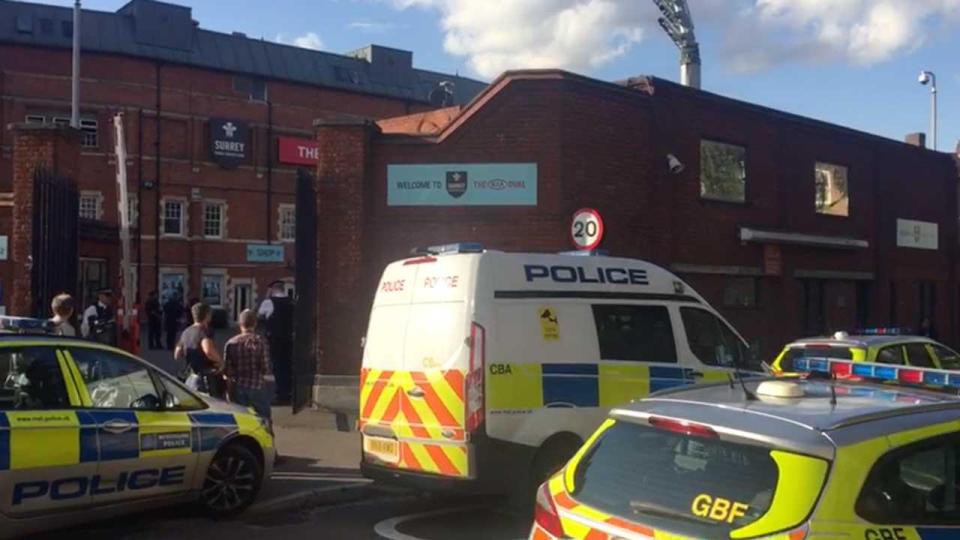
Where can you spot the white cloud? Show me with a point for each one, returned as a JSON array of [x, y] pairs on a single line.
[[583, 35], [310, 40]]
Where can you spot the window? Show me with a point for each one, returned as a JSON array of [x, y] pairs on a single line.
[[213, 220], [288, 223], [740, 292], [916, 485], [114, 381], [918, 355], [176, 397], [636, 333], [91, 205], [133, 209], [254, 88], [891, 355], [831, 185], [88, 133], [710, 340], [31, 379], [35, 119], [61, 121], [211, 289], [173, 218], [948, 359], [723, 171]]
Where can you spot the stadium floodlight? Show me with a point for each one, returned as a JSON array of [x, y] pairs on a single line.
[[677, 22]]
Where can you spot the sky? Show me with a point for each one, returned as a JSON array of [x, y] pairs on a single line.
[[850, 62]]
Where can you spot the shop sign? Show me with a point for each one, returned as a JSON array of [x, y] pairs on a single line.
[[917, 234], [264, 253], [228, 142], [462, 184], [297, 151]]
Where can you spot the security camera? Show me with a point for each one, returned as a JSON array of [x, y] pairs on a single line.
[[924, 77], [676, 167]]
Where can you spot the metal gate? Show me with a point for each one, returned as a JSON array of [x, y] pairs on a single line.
[[55, 210], [305, 310]]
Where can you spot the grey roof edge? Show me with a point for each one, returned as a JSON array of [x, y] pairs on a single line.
[[284, 62]]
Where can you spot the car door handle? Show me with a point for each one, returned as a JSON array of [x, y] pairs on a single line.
[[695, 374], [416, 392], [117, 426]]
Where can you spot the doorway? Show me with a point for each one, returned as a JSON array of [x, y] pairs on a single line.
[[242, 299], [93, 277]]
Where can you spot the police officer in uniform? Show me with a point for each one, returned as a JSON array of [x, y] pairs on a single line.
[[276, 315], [99, 322]]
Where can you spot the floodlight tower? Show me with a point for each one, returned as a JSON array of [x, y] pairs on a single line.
[[678, 24]]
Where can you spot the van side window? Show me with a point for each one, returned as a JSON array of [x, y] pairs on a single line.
[[916, 484], [710, 340], [635, 333]]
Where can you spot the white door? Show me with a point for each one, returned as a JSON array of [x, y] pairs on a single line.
[[242, 298]]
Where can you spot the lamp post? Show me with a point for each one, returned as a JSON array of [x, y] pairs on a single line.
[[678, 24], [931, 78]]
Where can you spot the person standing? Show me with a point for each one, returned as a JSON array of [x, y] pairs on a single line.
[[99, 322], [200, 352], [276, 312], [172, 312], [63, 308], [246, 361], [154, 320]]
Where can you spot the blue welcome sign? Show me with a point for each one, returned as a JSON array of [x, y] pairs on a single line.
[[462, 184], [264, 253]]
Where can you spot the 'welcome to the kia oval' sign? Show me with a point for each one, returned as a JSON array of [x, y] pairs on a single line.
[[228, 142]]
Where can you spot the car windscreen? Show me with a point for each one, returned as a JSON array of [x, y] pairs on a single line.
[[690, 485], [793, 353]]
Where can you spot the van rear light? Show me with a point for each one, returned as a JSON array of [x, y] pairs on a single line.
[[474, 382], [545, 513], [682, 427]]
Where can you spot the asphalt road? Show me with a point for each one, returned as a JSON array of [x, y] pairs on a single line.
[[379, 514]]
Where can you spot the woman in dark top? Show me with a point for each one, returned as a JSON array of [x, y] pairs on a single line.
[[200, 352]]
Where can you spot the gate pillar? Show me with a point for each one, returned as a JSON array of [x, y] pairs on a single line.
[[36, 147]]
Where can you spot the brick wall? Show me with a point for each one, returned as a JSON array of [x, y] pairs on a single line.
[[605, 146]]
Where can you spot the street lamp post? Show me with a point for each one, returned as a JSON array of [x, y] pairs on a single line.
[[678, 24], [931, 78]]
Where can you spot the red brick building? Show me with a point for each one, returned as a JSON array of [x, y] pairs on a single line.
[[226, 224], [789, 226]]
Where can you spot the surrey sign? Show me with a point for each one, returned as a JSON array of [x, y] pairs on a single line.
[[228, 142]]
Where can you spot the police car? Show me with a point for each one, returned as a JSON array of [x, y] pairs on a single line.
[[883, 345], [89, 431], [773, 459]]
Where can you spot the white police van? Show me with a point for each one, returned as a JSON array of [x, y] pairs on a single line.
[[479, 364]]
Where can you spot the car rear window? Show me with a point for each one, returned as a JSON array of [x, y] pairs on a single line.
[[684, 484], [793, 353]]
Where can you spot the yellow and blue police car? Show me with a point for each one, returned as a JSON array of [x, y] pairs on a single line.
[[882, 345], [773, 459], [89, 431]]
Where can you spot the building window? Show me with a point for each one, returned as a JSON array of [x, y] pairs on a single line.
[[213, 220], [723, 171], [832, 197], [173, 215], [740, 292], [211, 289], [288, 223], [36, 119], [91, 205], [254, 88], [89, 137], [133, 209]]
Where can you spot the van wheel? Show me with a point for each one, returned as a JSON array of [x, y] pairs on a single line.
[[553, 455], [233, 481]]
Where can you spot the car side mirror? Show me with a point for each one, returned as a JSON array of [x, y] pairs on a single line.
[[169, 401]]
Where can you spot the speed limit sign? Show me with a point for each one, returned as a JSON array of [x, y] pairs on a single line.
[[586, 230]]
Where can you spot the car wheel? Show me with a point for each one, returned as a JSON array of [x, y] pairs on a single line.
[[233, 481]]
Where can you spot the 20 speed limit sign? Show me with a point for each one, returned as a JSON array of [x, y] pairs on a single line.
[[586, 230]]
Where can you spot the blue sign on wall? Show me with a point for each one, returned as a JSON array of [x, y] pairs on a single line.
[[265, 253], [462, 184]]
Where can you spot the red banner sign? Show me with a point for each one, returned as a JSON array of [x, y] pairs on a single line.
[[297, 151]]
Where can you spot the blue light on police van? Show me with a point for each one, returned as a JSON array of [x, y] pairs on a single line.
[[935, 378], [862, 370], [801, 364], [883, 372], [819, 364], [458, 247], [586, 253]]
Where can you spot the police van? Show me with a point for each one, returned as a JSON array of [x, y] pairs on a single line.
[[486, 370]]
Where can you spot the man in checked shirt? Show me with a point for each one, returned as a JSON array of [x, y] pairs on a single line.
[[246, 359]]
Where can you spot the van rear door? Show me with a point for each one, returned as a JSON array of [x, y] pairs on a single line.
[[412, 396]]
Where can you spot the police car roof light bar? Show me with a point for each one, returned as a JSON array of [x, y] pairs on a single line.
[[884, 372], [458, 247], [882, 331], [25, 325]]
